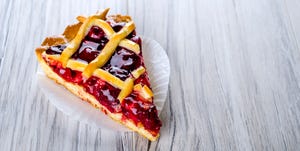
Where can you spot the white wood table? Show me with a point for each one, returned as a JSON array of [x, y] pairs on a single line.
[[234, 85]]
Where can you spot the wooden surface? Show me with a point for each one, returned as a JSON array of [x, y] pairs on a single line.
[[235, 75]]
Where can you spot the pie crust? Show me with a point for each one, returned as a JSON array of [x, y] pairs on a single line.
[[73, 38]]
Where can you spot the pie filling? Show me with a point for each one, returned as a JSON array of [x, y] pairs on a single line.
[[121, 64]]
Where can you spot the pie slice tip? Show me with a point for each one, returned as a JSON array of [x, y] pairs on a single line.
[[99, 59]]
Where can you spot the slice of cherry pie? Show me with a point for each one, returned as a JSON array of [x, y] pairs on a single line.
[[99, 59]]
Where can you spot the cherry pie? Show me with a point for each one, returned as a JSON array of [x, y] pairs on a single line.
[[99, 59]]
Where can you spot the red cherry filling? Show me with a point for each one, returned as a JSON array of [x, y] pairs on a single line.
[[122, 63], [105, 93], [67, 73], [88, 51], [96, 34], [117, 26], [91, 45], [143, 79], [140, 111], [133, 107]]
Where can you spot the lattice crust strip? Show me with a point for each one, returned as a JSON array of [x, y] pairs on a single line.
[[94, 67]]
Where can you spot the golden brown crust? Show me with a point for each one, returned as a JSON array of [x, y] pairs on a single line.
[[69, 34], [71, 31], [79, 91]]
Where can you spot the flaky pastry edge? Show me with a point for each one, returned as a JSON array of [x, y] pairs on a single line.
[[69, 33]]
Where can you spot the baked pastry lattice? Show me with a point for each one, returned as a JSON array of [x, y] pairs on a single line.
[[100, 60]]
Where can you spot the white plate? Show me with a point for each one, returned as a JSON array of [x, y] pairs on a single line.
[[158, 67]]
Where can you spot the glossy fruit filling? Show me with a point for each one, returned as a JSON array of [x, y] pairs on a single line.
[[138, 110], [91, 45], [133, 107], [121, 64], [105, 93]]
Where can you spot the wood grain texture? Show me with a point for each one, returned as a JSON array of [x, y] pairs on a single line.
[[235, 75]]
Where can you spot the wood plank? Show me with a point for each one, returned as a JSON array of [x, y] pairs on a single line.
[[235, 75]]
